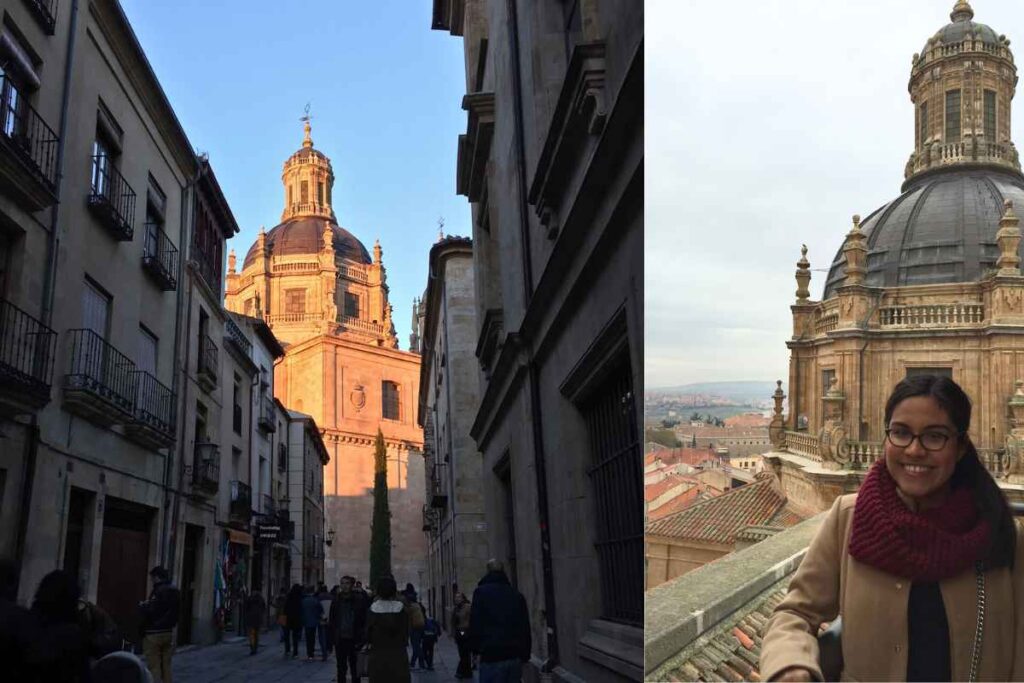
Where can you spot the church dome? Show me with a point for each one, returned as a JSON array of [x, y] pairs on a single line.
[[960, 27], [304, 235], [941, 229]]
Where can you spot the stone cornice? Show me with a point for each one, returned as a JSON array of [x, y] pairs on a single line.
[[394, 354], [343, 437], [475, 146], [509, 372]]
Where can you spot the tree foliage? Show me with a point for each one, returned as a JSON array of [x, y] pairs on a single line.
[[380, 530]]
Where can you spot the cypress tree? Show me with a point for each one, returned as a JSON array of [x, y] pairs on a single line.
[[380, 530]]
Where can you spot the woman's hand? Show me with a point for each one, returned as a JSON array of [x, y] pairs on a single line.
[[795, 674]]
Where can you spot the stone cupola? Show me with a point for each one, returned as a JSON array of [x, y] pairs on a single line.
[[961, 85], [308, 180]]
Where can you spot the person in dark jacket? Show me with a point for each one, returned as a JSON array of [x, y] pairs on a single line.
[[431, 632], [387, 632], [255, 608], [311, 611], [159, 617], [293, 620], [346, 624], [323, 628], [499, 627], [61, 647], [17, 627]]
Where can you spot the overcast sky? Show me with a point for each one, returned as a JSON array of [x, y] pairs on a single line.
[[769, 124]]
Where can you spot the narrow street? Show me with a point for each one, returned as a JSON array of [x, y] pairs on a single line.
[[230, 662]]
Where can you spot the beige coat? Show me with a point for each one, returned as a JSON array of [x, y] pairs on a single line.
[[873, 605]]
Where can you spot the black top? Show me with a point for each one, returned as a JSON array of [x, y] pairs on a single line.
[[499, 622], [928, 634]]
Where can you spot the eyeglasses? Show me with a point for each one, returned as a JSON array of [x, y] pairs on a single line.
[[901, 437]]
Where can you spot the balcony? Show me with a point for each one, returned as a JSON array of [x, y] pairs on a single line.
[[429, 519], [233, 335], [28, 151], [100, 384], [206, 468], [439, 495], [266, 421], [27, 349], [112, 199], [160, 258], [153, 425], [207, 366], [240, 506], [209, 267], [45, 14]]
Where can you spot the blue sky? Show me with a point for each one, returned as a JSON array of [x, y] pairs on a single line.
[[385, 94]]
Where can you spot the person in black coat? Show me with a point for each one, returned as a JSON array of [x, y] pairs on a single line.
[[499, 626], [347, 626], [293, 617], [62, 648], [255, 608]]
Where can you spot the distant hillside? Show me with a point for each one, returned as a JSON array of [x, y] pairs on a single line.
[[738, 391]]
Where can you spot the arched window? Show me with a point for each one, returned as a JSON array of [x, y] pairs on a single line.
[[390, 406]]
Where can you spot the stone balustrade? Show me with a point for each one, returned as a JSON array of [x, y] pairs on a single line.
[[355, 274], [293, 318], [970, 150], [936, 315], [364, 326], [296, 267], [826, 323], [863, 454], [800, 443]]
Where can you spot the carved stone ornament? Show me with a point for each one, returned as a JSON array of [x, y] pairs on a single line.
[[358, 397], [832, 441]]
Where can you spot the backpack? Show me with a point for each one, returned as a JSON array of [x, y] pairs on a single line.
[[431, 629], [416, 620]]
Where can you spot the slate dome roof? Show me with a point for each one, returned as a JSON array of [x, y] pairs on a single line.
[[303, 235], [941, 229]]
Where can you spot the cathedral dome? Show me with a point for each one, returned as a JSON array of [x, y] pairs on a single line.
[[960, 27], [941, 229], [304, 235]]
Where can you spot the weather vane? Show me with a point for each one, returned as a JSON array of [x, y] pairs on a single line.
[[440, 228], [308, 117]]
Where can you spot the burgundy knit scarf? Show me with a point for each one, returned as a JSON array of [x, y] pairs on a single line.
[[930, 545]]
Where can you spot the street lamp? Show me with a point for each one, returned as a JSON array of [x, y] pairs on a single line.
[[330, 538]]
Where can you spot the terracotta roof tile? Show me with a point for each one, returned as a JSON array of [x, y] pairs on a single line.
[[719, 519], [655, 491]]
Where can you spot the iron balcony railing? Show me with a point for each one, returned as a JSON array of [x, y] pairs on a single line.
[[234, 334], [154, 403], [28, 135], [45, 13], [240, 506], [207, 357], [160, 257], [101, 370], [26, 352], [206, 466], [112, 199], [267, 422]]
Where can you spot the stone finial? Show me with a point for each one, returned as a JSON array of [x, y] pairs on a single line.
[[328, 237], [1008, 239], [803, 276], [855, 252], [776, 429], [307, 140], [961, 11], [231, 262], [1016, 404], [378, 253]]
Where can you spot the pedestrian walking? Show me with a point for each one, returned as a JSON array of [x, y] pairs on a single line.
[[311, 612], [499, 627], [387, 632], [323, 635], [417, 620], [347, 625], [431, 632], [460, 630], [255, 608], [159, 617], [61, 648], [293, 620], [280, 618]]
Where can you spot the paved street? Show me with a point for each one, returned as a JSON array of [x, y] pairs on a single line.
[[230, 662]]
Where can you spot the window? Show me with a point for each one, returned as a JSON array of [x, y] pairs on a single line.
[[351, 305], [320, 192], [12, 103], [617, 485], [236, 415], [826, 380], [942, 372], [304, 191], [156, 202], [248, 307], [294, 301], [953, 116], [990, 115], [147, 351], [923, 123], [95, 309], [389, 400]]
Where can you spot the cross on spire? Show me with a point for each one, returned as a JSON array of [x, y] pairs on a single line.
[[308, 140]]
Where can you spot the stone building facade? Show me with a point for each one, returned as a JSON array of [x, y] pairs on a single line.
[[307, 460], [552, 164], [928, 283], [453, 517], [326, 298]]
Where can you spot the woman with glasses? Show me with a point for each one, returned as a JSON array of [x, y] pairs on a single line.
[[923, 563]]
